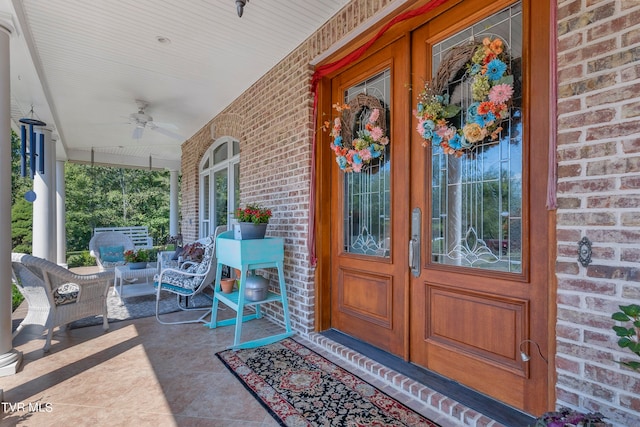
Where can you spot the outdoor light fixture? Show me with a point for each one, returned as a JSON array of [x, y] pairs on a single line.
[[30, 139], [525, 357], [240, 6]]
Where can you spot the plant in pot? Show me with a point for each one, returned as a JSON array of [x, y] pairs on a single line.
[[629, 337], [193, 252], [136, 259], [252, 222], [566, 417]]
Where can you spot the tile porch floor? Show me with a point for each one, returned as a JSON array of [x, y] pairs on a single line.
[[142, 373]]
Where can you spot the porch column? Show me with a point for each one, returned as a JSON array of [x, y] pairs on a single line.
[[61, 214], [44, 223], [173, 204], [10, 359]]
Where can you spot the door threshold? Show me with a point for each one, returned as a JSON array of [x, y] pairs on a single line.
[[481, 403]]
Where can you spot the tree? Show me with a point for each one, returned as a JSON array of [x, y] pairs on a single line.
[[21, 210]]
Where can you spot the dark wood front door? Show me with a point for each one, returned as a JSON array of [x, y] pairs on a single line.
[[475, 294]]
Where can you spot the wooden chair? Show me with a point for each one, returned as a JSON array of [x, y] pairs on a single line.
[[57, 296]]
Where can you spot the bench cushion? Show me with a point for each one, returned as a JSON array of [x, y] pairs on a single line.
[[111, 253]]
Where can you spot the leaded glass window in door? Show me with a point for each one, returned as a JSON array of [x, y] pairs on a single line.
[[367, 194], [476, 209]]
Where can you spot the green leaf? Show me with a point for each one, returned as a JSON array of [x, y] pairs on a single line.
[[508, 80], [632, 310], [624, 342], [635, 347], [620, 317], [621, 331], [632, 365], [450, 110]]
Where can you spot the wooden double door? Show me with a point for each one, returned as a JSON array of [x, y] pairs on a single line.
[[439, 259]]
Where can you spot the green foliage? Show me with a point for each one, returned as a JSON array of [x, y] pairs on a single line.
[[21, 226], [629, 337], [19, 185], [80, 259], [108, 197], [16, 297]]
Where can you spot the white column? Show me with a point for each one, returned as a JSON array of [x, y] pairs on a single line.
[[10, 359], [61, 214], [43, 207], [173, 204], [53, 190]]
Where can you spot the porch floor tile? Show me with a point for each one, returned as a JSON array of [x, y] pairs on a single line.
[[143, 373]]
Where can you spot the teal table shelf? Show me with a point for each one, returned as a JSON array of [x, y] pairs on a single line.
[[246, 255]]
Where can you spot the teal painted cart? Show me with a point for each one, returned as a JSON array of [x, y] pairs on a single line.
[[246, 255]]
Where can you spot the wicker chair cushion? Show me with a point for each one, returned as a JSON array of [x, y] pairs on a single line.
[[111, 253], [66, 294]]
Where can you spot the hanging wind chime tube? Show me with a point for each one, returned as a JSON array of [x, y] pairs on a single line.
[[29, 138]]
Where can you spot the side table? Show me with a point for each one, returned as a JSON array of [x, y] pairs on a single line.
[[123, 272], [248, 255]]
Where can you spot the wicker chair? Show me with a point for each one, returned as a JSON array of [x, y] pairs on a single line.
[[109, 239], [190, 279], [57, 296]]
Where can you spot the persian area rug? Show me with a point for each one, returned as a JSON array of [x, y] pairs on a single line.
[[301, 388]]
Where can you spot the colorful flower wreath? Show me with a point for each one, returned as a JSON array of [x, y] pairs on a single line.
[[353, 154], [491, 88]]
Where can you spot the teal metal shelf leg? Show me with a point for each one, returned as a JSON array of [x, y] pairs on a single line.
[[240, 311], [214, 307], [283, 297]]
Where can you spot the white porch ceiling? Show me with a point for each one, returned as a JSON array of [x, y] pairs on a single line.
[[82, 65]]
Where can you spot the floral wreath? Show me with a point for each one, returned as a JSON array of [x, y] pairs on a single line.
[[354, 154], [491, 88]]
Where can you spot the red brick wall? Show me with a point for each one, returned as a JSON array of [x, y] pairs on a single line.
[[272, 121], [598, 197]]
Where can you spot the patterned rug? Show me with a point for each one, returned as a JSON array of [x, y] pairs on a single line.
[[301, 388]]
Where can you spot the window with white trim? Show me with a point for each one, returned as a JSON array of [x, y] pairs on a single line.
[[219, 184]]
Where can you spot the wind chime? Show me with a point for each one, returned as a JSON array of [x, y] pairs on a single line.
[[29, 138]]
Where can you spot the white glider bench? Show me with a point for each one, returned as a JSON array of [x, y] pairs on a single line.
[[139, 235]]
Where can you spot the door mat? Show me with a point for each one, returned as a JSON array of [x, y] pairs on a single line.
[[301, 388]]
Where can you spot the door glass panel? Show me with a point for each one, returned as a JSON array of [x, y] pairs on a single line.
[[220, 179], [476, 215], [367, 194]]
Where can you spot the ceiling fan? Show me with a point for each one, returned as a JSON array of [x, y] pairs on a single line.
[[141, 120]]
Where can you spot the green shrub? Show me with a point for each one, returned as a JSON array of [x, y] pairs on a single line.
[[16, 297], [80, 259]]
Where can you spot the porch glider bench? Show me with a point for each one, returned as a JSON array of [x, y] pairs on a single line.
[[138, 234]]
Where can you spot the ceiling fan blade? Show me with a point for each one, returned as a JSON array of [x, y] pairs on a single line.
[[137, 132], [166, 132]]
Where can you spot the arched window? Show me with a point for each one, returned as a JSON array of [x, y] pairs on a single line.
[[219, 184]]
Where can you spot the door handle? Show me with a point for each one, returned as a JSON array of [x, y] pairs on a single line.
[[411, 254], [414, 242]]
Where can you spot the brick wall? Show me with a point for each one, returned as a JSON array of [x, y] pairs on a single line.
[[272, 121], [598, 197]]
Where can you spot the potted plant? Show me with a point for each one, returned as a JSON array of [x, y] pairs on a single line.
[[629, 337], [193, 252], [252, 222], [136, 259], [566, 417]]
